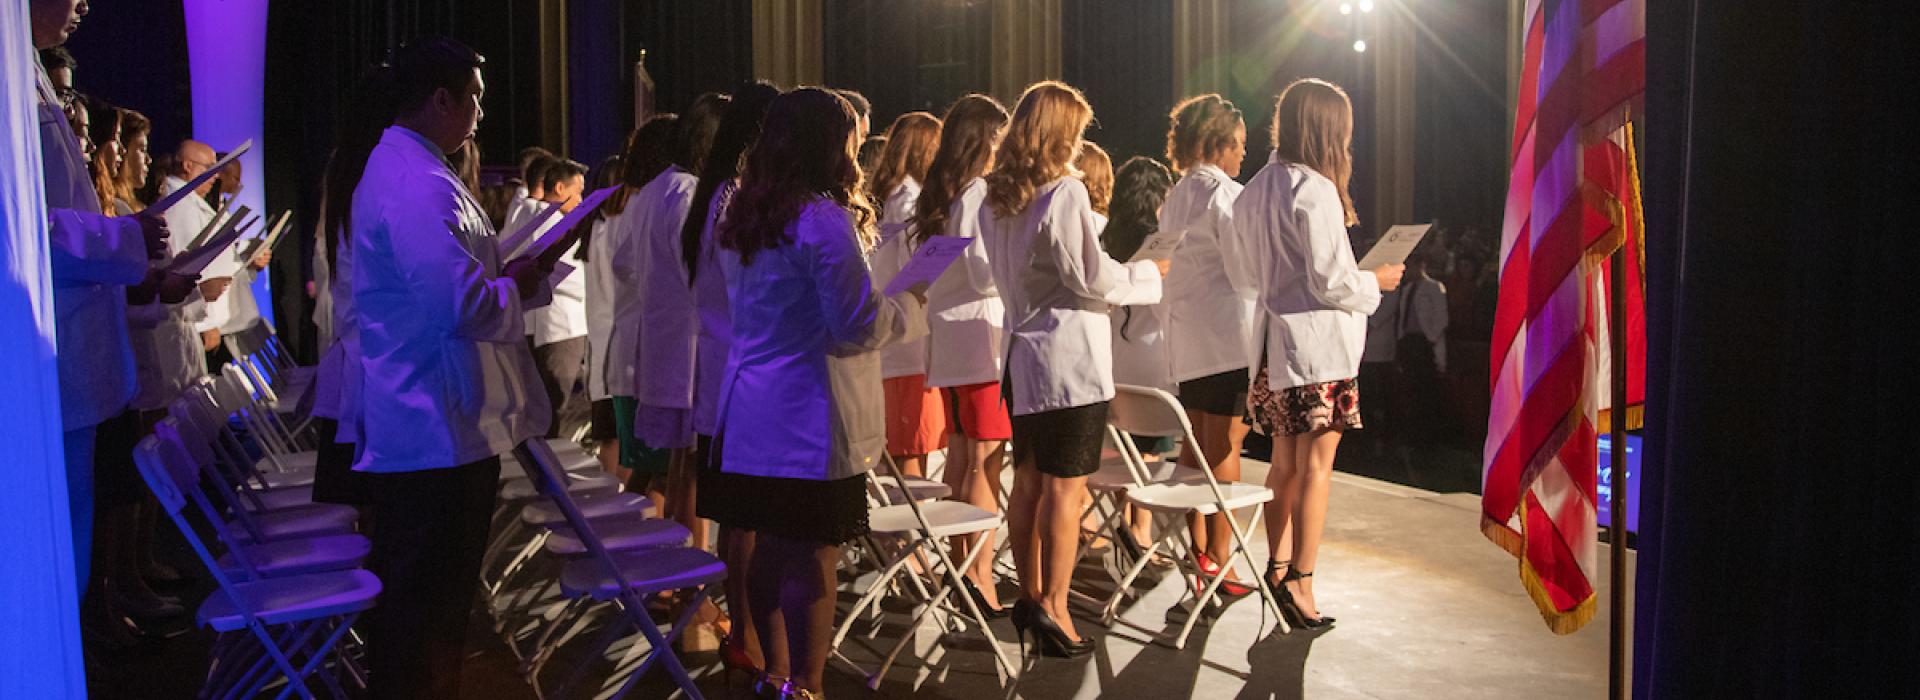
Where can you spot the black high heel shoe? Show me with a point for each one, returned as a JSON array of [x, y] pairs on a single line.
[[1297, 616], [987, 611], [1052, 641], [1022, 617]]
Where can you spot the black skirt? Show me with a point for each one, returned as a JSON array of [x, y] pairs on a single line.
[[1223, 394], [828, 512], [1062, 443]]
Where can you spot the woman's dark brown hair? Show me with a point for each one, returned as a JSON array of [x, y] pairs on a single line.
[[649, 151], [738, 129], [1313, 126], [968, 135], [805, 150]]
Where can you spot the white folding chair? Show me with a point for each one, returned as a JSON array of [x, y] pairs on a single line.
[[293, 623], [625, 579], [1151, 412], [924, 527]]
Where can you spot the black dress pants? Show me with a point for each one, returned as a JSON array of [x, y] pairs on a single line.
[[426, 550]]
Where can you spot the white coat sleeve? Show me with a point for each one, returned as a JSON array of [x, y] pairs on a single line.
[[1085, 268], [1242, 276], [963, 220], [858, 318], [89, 248], [445, 278], [1332, 276]]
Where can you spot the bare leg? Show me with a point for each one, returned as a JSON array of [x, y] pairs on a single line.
[[681, 482], [1022, 526], [1190, 458], [957, 475], [983, 491], [1284, 480], [805, 590], [1059, 516], [736, 549], [912, 465], [609, 456], [763, 582], [1311, 513], [1227, 433]]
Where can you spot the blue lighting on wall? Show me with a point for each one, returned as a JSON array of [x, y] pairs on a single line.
[[1633, 481], [227, 55]]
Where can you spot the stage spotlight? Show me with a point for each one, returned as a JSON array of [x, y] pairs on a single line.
[[1346, 8], [1366, 5], [1360, 45]]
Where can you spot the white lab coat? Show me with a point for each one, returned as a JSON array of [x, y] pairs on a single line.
[[801, 398], [909, 358], [520, 211], [1291, 234], [166, 351], [1059, 285], [94, 258], [716, 319], [603, 291], [965, 315], [1208, 318], [669, 324], [565, 317], [611, 369], [1140, 347], [338, 382], [447, 378]]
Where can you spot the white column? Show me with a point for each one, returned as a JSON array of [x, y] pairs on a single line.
[[39, 623], [227, 60]]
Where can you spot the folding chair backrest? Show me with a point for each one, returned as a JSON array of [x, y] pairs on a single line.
[[188, 475], [544, 467], [1148, 412], [157, 462]]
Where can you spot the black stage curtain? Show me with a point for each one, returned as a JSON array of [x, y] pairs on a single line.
[[906, 56], [693, 46], [1120, 53], [1780, 544]]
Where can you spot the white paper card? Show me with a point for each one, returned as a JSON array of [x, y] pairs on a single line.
[[568, 222], [932, 258], [192, 262], [1395, 245], [176, 196], [267, 241]]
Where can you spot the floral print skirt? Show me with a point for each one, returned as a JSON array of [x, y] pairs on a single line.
[[1300, 410]]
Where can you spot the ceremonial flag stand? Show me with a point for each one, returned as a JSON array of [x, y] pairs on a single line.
[[1617, 479]]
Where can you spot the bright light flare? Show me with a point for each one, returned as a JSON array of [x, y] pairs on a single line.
[[1366, 5], [1346, 8], [1360, 45]]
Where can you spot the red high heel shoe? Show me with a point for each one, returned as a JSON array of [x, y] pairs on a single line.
[[1230, 590]]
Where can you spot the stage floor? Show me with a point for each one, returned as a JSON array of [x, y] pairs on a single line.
[[1427, 608]]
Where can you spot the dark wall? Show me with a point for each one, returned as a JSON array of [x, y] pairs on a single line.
[[1120, 53], [906, 56], [693, 46], [134, 54]]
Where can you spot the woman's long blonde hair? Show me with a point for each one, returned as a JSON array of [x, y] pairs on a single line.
[[1313, 126], [1041, 143], [912, 141]]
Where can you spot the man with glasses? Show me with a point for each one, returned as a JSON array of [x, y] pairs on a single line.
[[189, 218]]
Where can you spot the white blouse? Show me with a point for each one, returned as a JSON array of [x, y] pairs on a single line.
[[965, 315], [1059, 285], [668, 323], [910, 358], [448, 379], [1208, 320], [1291, 233], [801, 398]]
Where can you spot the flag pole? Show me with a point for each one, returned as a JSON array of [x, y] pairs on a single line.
[[1617, 479]]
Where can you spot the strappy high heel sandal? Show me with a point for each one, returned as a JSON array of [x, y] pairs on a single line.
[[1296, 615]]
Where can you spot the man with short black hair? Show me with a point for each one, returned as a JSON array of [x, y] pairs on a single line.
[[447, 382], [559, 329]]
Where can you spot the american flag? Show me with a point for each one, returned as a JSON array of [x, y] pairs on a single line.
[[1572, 199]]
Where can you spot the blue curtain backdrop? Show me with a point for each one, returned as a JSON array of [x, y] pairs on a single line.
[[1779, 544]]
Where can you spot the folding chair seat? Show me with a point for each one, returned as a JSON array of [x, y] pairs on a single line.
[[296, 522], [286, 627], [1155, 413], [521, 489], [592, 504], [299, 556], [922, 489]]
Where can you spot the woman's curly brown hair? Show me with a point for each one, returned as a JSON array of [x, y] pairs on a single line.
[[805, 150], [1040, 145]]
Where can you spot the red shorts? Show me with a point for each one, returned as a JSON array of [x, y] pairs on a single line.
[[978, 412], [916, 425]]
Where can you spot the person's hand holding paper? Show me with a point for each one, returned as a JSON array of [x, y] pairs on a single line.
[[931, 259]]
